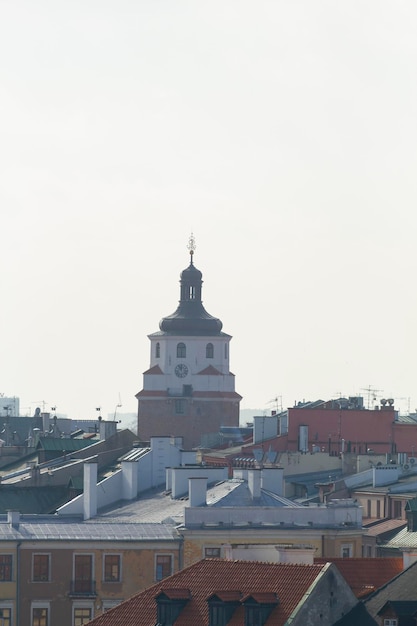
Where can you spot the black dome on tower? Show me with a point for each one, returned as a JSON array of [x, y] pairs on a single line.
[[191, 318]]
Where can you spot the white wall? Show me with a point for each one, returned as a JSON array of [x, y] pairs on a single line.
[[150, 469], [337, 513], [273, 554], [264, 427], [179, 477]]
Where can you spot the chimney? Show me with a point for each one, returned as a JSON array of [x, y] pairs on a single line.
[[13, 518], [254, 483], [129, 480], [197, 491], [272, 479], [45, 422], [90, 489]]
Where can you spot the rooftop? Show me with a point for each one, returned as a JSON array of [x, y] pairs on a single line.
[[53, 527], [285, 583]]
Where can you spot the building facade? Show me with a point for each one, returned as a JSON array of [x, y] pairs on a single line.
[[188, 390], [66, 571]]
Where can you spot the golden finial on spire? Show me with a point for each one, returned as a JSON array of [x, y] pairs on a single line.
[[191, 246]]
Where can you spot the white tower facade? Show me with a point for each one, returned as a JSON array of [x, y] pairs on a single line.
[[189, 390]]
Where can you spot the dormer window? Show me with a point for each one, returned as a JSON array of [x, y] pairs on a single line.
[[209, 351], [181, 351], [158, 350], [170, 603], [221, 606], [258, 608], [395, 612]]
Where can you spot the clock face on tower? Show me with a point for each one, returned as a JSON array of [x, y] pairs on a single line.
[[181, 370]]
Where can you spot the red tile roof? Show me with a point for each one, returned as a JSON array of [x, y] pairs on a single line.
[[205, 578], [365, 575]]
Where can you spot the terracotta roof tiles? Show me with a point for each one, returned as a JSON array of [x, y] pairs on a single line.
[[365, 575], [287, 582]]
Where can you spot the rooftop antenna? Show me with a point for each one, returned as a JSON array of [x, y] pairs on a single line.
[[372, 394], [278, 403]]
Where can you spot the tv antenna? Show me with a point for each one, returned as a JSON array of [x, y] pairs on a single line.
[[372, 394]]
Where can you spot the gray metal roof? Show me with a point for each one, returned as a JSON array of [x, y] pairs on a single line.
[[158, 507], [403, 539], [53, 528], [401, 588]]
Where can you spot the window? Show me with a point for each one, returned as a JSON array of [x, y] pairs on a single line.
[[217, 615], [169, 608], [181, 351], [212, 553], [378, 509], [209, 351], [6, 567], [82, 615], [5, 616], [40, 571], [83, 574], [390, 622], [158, 350], [368, 508], [179, 406], [40, 616], [226, 352], [346, 550], [220, 610], [112, 568], [257, 614], [163, 566], [397, 509]]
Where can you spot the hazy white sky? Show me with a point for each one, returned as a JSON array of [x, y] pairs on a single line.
[[282, 133]]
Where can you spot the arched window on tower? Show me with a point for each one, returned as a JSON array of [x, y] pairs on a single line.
[[209, 351], [158, 350], [225, 351], [191, 293], [181, 351]]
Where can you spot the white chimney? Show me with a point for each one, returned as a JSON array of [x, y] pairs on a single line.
[[254, 483], [13, 518], [90, 489], [129, 480], [272, 479], [197, 490]]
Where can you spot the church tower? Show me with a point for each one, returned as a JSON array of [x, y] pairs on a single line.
[[188, 390]]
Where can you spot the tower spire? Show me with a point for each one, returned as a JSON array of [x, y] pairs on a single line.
[[191, 246]]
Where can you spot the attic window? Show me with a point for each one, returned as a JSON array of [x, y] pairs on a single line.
[[258, 607], [170, 604], [222, 606]]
